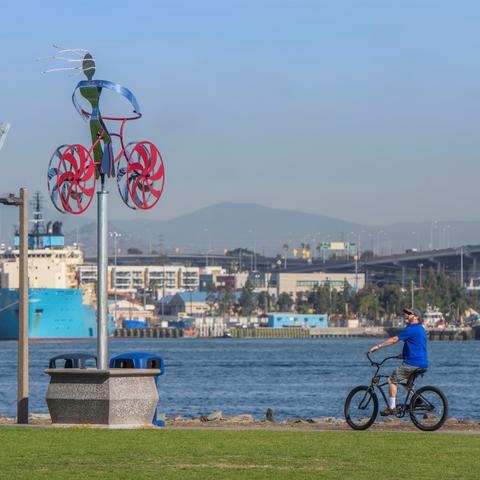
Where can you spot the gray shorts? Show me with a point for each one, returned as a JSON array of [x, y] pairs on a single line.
[[402, 373]]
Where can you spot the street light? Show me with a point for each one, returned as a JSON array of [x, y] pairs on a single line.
[[22, 392], [285, 248], [190, 290], [115, 235]]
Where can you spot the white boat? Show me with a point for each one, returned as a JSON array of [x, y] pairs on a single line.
[[433, 317]]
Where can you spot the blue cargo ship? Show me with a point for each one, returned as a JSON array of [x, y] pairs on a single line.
[[53, 313], [56, 306]]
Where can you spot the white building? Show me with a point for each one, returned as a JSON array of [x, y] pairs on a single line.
[[305, 282], [168, 279]]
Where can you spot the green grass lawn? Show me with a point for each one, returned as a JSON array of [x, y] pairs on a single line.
[[50, 453]]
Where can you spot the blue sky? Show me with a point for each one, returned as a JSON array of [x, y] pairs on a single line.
[[362, 110]]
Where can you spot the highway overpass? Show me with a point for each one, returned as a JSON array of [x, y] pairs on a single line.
[[460, 262]]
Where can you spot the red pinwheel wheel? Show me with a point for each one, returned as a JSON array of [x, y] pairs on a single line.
[[141, 175], [71, 181]]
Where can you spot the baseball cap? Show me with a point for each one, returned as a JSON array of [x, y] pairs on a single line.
[[414, 311]]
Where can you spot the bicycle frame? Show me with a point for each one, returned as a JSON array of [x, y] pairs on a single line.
[[376, 384]]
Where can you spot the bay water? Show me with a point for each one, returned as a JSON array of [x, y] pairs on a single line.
[[296, 378]]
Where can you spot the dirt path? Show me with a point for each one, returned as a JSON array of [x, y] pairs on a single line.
[[247, 422]]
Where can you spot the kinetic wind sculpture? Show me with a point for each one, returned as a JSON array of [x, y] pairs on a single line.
[[74, 169]]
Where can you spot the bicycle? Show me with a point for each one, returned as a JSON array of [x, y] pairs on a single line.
[[427, 406]]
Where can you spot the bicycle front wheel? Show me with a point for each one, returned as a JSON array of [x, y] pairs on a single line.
[[361, 408], [428, 408]]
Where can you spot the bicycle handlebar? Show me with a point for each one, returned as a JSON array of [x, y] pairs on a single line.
[[397, 357]]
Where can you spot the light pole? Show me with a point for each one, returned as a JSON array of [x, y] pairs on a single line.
[[379, 251], [191, 302], [461, 266], [420, 265], [115, 235], [412, 293], [23, 380], [416, 240], [356, 270], [433, 226], [208, 244], [285, 249]]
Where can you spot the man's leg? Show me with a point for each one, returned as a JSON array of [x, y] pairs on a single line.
[[392, 390]]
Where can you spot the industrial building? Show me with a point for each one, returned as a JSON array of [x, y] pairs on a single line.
[[292, 283], [289, 319]]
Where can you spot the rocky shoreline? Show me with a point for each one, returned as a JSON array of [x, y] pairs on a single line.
[[217, 420]]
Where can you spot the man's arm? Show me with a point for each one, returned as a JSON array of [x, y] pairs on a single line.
[[386, 343]]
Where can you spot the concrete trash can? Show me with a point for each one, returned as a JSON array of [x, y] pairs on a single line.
[[81, 394], [144, 361]]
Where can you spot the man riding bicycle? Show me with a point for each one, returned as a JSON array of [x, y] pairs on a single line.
[[414, 354]]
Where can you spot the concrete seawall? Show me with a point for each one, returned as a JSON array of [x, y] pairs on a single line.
[[344, 332], [299, 332], [463, 333], [148, 332]]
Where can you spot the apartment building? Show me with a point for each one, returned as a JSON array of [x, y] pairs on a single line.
[[169, 279]]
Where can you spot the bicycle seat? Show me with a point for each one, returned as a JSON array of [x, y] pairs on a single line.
[[413, 376]]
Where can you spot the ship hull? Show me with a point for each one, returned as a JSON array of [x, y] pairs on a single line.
[[53, 313]]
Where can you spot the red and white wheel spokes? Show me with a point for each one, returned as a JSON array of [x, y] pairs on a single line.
[[141, 175], [71, 178], [52, 178]]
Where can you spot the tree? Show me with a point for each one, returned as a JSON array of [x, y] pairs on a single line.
[[225, 301], [301, 303], [247, 299], [134, 251], [264, 301], [212, 297], [392, 300], [284, 302], [368, 302], [320, 299]]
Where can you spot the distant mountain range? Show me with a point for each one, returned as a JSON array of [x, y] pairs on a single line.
[[252, 226]]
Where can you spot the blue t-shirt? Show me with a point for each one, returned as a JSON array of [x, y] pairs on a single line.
[[414, 337]]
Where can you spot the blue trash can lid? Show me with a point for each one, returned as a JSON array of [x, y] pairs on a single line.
[[136, 356], [139, 358]]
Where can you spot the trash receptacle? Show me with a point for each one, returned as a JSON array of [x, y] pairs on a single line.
[[73, 360], [141, 360]]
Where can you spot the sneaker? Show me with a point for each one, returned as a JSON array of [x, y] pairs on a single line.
[[388, 411]]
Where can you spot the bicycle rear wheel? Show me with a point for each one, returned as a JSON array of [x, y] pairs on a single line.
[[428, 408], [361, 408]]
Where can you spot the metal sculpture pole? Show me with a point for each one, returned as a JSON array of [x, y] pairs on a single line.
[[102, 269], [74, 169]]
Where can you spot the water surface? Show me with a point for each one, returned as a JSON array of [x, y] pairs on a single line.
[[296, 378]]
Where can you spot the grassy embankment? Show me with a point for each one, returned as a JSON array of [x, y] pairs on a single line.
[[49, 453]]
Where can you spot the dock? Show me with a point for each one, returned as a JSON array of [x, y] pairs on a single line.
[[152, 332]]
